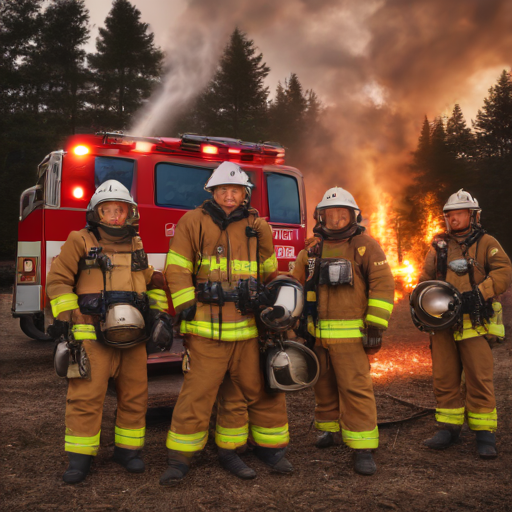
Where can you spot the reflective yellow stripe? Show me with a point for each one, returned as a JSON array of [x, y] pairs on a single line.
[[231, 438], [231, 331], [494, 326], [271, 437], [210, 264], [130, 436], [336, 329], [327, 426], [269, 265], [64, 303], [377, 321], [311, 296], [376, 303], [186, 442], [173, 258], [483, 420], [183, 296], [157, 300], [83, 332], [361, 440], [249, 267], [85, 445], [451, 416]]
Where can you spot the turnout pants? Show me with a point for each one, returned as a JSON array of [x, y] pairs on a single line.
[[253, 412], [344, 394], [84, 406], [474, 357]]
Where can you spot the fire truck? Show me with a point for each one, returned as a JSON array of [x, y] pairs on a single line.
[[166, 177]]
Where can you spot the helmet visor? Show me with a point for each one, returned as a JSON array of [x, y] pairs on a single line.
[[115, 213]]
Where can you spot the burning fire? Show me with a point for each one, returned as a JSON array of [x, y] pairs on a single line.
[[405, 262]]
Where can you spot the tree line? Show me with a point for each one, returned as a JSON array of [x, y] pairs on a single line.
[[50, 88], [450, 155]]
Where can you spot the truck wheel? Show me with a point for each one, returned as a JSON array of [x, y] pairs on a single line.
[[31, 329]]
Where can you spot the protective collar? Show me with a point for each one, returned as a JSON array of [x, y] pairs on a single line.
[[218, 215]]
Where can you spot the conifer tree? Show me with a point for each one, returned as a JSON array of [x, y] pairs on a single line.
[[494, 121], [127, 66], [459, 138]]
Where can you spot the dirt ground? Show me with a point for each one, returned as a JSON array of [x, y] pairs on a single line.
[[409, 477]]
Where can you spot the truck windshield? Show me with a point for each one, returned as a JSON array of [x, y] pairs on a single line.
[[180, 186], [283, 198], [119, 169]]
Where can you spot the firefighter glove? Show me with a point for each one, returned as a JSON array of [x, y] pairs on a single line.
[[478, 309], [372, 341], [59, 329], [161, 331]]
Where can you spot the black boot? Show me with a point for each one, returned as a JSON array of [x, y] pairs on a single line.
[[230, 461], [79, 465], [443, 438], [364, 463], [178, 467], [486, 444], [328, 439], [274, 457], [130, 459]]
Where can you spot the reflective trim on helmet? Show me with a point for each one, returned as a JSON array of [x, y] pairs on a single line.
[[186, 442], [337, 329], [277, 437], [231, 331], [483, 420], [182, 296], [494, 326], [173, 258], [269, 265], [451, 416], [377, 303], [65, 302], [83, 332], [328, 426], [231, 438], [130, 436], [372, 319], [85, 445], [361, 440], [157, 300]]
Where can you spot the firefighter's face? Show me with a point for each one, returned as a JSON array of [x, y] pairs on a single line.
[[458, 220], [336, 218], [229, 197], [113, 213]]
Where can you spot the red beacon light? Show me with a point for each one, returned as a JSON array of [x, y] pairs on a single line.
[[81, 150], [144, 147], [78, 192], [234, 151], [209, 150]]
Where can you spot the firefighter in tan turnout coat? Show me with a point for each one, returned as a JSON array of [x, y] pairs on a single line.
[[349, 299], [103, 262], [478, 267], [216, 248]]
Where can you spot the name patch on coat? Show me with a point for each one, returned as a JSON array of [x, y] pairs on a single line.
[[379, 263]]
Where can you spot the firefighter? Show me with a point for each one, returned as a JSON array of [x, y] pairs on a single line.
[[349, 299], [97, 291], [466, 257], [218, 250]]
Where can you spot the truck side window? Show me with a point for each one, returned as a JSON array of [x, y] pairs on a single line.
[[180, 186], [119, 169], [283, 198]]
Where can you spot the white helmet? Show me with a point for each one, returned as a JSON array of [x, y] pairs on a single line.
[[338, 197], [228, 173], [113, 190], [461, 200]]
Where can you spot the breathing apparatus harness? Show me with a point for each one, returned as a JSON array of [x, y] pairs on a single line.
[[473, 303]]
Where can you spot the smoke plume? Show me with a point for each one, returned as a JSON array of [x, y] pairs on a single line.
[[379, 66]]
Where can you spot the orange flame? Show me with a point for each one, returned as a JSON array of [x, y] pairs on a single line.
[[385, 228]]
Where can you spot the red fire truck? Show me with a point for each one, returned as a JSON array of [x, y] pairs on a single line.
[[166, 177]]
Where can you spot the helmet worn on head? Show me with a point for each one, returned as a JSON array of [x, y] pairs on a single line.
[[291, 366], [461, 200], [228, 173], [113, 190], [287, 308], [435, 306]]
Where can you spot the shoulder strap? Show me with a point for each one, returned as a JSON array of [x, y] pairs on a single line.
[[440, 244]]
